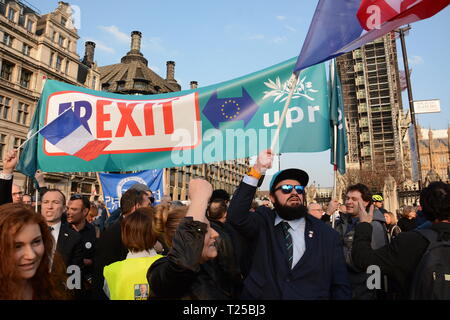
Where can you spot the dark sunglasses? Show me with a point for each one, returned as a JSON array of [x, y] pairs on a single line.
[[287, 188], [76, 197]]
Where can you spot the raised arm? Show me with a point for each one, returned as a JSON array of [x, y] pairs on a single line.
[[246, 223], [6, 176], [199, 193], [40, 179]]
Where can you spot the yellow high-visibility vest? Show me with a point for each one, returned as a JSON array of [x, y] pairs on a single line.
[[127, 279]]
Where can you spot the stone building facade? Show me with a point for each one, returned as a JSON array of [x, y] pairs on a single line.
[[34, 47], [434, 154]]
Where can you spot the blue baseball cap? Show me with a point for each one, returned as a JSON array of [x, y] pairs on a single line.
[[292, 174]]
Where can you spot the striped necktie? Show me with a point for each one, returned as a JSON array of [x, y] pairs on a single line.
[[288, 241]]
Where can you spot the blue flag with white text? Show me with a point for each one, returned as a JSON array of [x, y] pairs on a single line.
[[114, 185]]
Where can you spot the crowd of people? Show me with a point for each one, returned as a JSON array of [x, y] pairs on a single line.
[[223, 247]]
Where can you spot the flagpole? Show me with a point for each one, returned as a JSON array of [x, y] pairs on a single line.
[[293, 84], [279, 161], [30, 137], [36, 197], [44, 81], [334, 193], [411, 101]]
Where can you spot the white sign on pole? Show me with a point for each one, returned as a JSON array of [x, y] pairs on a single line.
[[427, 106]]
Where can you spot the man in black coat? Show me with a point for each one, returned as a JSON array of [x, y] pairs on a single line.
[[68, 241], [109, 246], [400, 258], [77, 211], [295, 256]]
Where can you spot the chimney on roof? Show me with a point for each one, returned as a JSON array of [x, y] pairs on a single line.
[[170, 74], [136, 41], [194, 84], [89, 53], [135, 53], [62, 3]]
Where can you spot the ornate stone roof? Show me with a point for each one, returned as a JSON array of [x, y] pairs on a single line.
[[133, 76]]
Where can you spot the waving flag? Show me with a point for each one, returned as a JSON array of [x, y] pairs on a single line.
[[334, 25], [337, 119], [374, 13], [68, 134], [115, 185], [28, 161], [340, 26]]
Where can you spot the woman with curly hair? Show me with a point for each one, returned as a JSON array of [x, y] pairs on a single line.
[[27, 270]]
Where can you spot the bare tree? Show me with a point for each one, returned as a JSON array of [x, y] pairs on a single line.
[[375, 176]]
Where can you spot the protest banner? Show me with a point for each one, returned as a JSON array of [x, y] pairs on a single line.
[[235, 119]]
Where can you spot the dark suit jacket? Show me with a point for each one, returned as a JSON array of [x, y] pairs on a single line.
[[321, 272], [69, 246], [109, 249], [5, 191]]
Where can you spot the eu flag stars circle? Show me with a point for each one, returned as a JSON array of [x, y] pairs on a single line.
[[230, 109]]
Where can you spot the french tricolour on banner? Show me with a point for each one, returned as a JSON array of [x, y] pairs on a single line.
[[114, 185], [68, 134], [236, 119]]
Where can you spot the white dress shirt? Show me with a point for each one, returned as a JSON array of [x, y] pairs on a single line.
[[297, 231], [297, 228], [55, 231]]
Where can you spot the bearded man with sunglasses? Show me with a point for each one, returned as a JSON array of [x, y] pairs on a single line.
[[292, 254]]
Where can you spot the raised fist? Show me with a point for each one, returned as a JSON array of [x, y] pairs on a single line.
[[10, 161], [264, 161], [200, 189]]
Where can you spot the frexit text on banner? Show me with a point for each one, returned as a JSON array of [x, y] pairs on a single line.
[[132, 125]]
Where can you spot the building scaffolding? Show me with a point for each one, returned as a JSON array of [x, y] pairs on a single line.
[[373, 105]]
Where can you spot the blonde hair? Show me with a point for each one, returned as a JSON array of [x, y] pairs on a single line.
[[407, 210], [394, 219]]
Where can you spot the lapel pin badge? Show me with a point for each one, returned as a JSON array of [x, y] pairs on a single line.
[[66, 234], [311, 233]]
